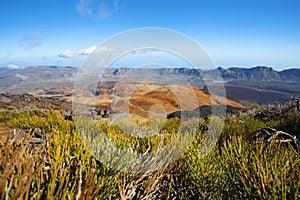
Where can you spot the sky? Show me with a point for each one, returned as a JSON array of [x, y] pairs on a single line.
[[234, 33]]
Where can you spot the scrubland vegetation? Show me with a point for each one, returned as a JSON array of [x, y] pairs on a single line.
[[50, 161]]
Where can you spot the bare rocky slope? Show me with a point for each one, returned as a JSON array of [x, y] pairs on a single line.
[[28, 101], [258, 85]]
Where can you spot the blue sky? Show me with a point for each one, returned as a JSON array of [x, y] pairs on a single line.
[[243, 33]]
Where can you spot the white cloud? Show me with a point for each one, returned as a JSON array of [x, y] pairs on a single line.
[[32, 40], [88, 50], [68, 54], [146, 50], [103, 12], [116, 4], [22, 77], [83, 7], [73, 54], [12, 66], [104, 49], [99, 9]]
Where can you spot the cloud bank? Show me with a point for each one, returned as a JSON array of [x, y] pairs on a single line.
[[84, 52], [13, 66], [73, 54]]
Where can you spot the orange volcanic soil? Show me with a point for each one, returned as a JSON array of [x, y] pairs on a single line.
[[142, 99], [184, 99]]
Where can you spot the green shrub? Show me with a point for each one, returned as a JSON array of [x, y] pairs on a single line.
[[66, 167]]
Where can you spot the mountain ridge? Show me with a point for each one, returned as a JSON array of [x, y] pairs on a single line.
[[258, 85], [258, 73]]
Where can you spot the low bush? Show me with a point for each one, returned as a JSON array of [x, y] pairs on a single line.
[[63, 166]]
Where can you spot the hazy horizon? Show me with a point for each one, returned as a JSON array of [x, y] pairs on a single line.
[[12, 66]]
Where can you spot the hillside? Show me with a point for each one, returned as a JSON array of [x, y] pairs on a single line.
[[248, 86], [145, 100], [148, 99], [259, 73], [29, 79]]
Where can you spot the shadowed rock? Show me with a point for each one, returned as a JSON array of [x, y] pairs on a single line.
[[204, 112]]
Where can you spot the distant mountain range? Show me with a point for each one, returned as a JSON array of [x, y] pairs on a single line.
[[29, 79], [259, 73], [258, 85]]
